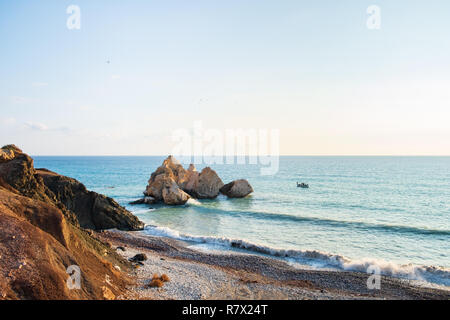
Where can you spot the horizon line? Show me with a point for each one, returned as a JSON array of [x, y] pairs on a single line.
[[282, 155]]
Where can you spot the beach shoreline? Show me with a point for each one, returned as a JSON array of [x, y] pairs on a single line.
[[198, 275]]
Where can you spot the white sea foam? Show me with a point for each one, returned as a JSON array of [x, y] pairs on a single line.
[[194, 202], [317, 259]]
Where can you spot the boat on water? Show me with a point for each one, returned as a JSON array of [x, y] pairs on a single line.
[[302, 185]]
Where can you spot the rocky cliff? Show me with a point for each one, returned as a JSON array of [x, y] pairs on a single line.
[[92, 210], [42, 221], [82, 207]]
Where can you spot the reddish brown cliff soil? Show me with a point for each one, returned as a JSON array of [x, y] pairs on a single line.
[[40, 238]]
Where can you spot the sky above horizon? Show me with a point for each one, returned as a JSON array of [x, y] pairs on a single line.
[[136, 71]]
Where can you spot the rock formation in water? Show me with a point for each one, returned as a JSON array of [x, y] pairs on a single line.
[[164, 183], [42, 215], [206, 185], [145, 200], [237, 189], [189, 179], [172, 194], [174, 185]]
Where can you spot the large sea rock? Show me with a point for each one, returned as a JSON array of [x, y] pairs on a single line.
[[170, 171], [171, 177], [187, 183], [237, 189], [173, 195], [205, 185], [172, 184]]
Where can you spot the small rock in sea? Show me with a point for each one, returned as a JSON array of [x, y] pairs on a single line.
[[139, 257], [120, 248], [138, 201], [237, 189], [146, 200]]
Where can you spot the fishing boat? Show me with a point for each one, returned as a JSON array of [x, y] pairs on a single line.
[[302, 185]]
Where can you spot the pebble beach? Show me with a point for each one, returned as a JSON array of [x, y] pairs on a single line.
[[198, 275]]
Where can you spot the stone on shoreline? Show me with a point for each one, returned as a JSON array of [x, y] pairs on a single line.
[[139, 257], [237, 189]]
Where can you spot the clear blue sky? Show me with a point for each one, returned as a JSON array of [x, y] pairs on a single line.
[[309, 68]]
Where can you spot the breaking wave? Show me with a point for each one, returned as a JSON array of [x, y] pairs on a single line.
[[317, 259]]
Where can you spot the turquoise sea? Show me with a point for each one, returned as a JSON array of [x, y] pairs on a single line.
[[391, 212]]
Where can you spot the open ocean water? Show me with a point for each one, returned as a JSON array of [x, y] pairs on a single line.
[[392, 212]]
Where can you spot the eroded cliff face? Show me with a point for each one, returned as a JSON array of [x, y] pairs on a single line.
[[92, 210], [82, 207], [42, 215], [18, 172]]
